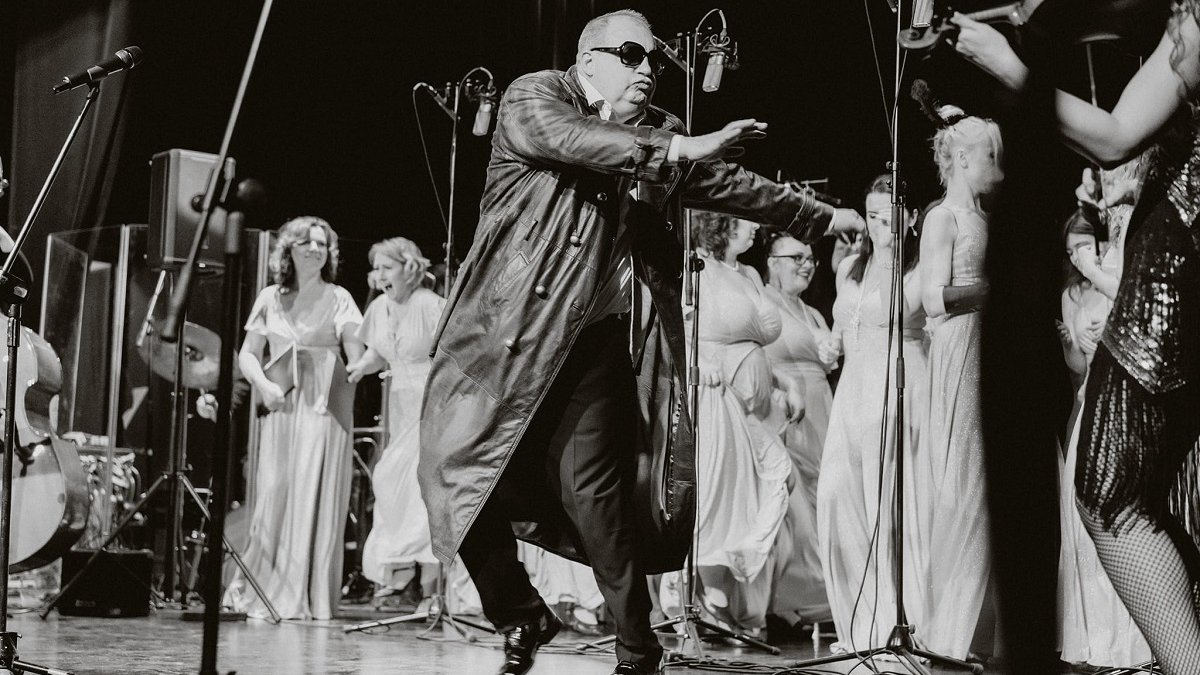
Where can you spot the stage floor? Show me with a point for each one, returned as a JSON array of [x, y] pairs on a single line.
[[164, 644]]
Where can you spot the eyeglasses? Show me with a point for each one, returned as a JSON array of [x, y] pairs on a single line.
[[801, 259], [632, 54], [309, 242]]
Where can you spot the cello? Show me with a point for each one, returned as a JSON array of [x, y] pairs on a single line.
[[50, 501]]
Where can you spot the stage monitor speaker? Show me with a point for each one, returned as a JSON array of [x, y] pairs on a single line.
[[176, 177], [117, 585]]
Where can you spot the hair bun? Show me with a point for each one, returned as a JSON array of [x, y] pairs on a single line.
[[951, 114]]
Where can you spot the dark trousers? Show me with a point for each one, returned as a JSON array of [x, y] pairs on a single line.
[[582, 436]]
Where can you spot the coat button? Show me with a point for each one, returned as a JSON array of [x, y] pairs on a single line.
[[510, 344], [601, 196], [669, 226], [540, 291], [575, 240]]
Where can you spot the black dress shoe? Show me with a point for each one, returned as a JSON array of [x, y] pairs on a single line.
[[521, 643], [631, 668]]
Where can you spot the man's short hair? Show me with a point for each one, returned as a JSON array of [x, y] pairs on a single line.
[[593, 32]]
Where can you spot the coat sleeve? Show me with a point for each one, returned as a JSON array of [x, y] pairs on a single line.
[[728, 188], [538, 124]]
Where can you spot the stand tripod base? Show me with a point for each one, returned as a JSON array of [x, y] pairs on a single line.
[[9, 663], [691, 624], [901, 648], [440, 616]]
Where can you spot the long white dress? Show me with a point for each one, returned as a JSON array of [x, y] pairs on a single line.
[[399, 537], [799, 593], [953, 504], [854, 523], [304, 467], [742, 467]]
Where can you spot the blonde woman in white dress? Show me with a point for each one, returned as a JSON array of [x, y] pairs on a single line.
[[397, 329]]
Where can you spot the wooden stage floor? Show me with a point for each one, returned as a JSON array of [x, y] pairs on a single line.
[[164, 644]]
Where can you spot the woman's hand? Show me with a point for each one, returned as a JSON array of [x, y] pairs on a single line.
[[987, 48], [830, 350], [273, 396], [710, 374], [1064, 334], [1084, 258], [356, 371], [795, 402], [1090, 336]]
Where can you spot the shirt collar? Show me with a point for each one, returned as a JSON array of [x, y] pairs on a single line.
[[595, 99]]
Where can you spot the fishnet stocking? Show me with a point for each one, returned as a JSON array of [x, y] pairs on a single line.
[[1156, 573]]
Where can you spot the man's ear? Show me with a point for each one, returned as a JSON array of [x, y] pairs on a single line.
[[586, 64]]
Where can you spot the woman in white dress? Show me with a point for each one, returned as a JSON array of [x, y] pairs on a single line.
[[1095, 627], [397, 329], [743, 471], [854, 522], [953, 288], [799, 595], [304, 461]]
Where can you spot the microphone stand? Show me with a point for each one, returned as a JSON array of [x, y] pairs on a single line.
[[474, 90], [219, 498], [13, 292], [900, 643]]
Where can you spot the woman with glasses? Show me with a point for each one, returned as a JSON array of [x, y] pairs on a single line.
[[743, 470], [295, 336], [804, 353], [854, 522], [967, 151], [397, 328]]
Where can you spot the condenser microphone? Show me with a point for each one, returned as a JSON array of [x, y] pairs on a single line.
[[714, 71], [123, 60], [483, 115]]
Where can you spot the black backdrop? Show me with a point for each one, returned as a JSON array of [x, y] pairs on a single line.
[[329, 126]]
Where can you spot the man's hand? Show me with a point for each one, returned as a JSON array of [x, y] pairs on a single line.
[[847, 220], [987, 48], [719, 143]]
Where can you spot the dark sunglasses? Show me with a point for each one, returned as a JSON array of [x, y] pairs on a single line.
[[632, 54]]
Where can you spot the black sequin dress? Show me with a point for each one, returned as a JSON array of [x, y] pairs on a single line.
[[1142, 410]]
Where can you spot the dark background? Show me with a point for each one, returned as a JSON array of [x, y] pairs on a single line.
[[329, 125]]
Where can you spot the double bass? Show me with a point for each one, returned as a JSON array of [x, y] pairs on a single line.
[[50, 500]]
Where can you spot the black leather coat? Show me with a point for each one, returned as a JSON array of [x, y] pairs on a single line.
[[557, 186]]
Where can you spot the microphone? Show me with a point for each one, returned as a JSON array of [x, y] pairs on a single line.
[[722, 54], [714, 72], [922, 15], [483, 115], [123, 60]]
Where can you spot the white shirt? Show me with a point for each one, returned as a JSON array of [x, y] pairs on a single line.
[[616, 291]]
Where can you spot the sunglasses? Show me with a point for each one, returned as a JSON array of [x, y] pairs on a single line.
[[799, 258], [632, 54]]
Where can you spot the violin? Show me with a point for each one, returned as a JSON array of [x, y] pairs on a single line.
[[940, 29]]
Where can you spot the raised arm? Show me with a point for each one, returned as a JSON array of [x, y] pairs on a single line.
[[1147, 102]]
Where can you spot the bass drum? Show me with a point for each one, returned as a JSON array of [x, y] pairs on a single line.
[[49, 495]]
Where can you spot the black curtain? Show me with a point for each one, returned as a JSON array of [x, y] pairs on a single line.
[[52, 39]]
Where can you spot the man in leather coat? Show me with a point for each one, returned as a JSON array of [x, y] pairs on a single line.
[[531, 423]]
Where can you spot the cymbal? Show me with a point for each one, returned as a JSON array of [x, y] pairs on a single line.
[[201, 357]]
